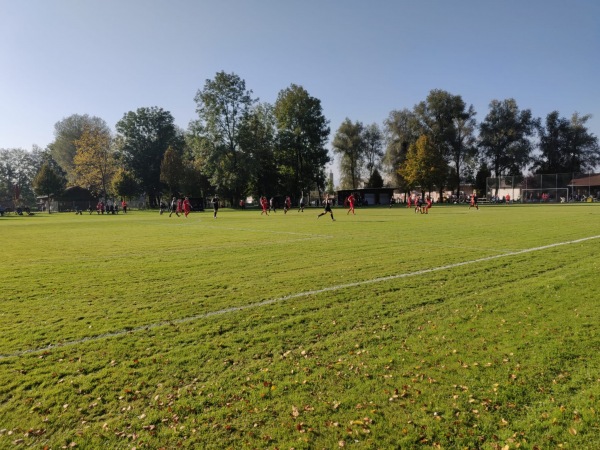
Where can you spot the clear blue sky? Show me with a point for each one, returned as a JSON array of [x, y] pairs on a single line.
[[362, 59]]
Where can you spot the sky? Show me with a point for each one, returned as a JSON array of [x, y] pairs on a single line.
[[361, 59]]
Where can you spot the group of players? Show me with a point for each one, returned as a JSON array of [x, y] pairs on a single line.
[[270, 205], [183, 206], [110, 207], [420, 206]]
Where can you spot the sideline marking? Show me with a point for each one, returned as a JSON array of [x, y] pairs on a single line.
[[289, 297]]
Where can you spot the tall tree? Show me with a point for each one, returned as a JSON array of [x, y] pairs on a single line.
[[124, 184], [402, 129], [171, 170], [463, 149], [192, 181], [143, 138], [222, 106], [66, 132], [450, 126], [481, 177], [349, 143], [566, 146], [95, 162], [303, 131], [373, 141], [18, 168], [375, 180], [48, 182], [425, 166], [257, 139], [505, 137]]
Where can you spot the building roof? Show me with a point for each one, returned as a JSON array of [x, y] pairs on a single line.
[[589, 180]]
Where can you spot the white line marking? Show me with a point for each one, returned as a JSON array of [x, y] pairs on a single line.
[[292, 296]]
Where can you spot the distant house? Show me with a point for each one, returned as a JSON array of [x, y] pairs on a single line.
[[588, 185], [74, 198]]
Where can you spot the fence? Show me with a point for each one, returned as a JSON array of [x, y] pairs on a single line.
[[558, 187]]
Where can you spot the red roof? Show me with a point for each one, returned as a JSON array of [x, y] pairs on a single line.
[[590, 180]]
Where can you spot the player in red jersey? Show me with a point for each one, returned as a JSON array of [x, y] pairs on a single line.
[[264, 204], [351, 201], [187, 206], [428, 202], [287, 204], [473, 202]]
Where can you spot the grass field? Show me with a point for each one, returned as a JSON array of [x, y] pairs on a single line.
[[460, 329]]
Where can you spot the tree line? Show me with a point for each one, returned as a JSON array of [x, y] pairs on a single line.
[[238, 146], [439, 145]]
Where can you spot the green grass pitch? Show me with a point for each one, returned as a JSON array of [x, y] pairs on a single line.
[[387, 329]]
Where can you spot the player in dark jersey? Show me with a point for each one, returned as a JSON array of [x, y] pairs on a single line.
[[327, 207]]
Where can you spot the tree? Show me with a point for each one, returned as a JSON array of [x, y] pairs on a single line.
[[463, 151], [143, 138], [302, 134], [124, 184], [450, 126], [48, 182], [193, 182], [483, 174], [171, 170], [18, 168], [66, 132], [222, 106], [373, 142], [504, 137], [583, 151], [566, 146], [375, 180], [257, 139], [95, 162], [425, 166], [350, 145], [402, 129]]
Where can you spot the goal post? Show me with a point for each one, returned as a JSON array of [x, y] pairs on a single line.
[[548, 195]]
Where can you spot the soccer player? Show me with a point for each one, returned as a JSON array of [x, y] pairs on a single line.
[[215, 202], [350, 201], [327, 207], [187, 206], [301, 205], [418, 204], [428, 202], [264, 204], [173, 208], [473, 202]]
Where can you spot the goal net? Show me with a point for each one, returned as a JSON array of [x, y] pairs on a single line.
[[548, 195]]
